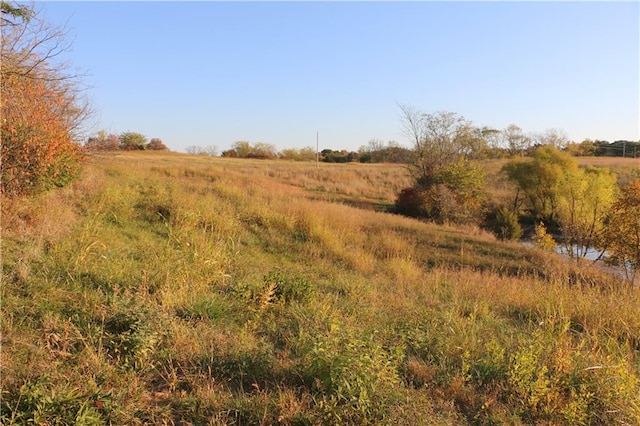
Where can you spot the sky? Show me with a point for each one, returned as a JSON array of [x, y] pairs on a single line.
[[211, 73]]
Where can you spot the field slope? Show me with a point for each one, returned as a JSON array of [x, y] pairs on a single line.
[[173, 289]]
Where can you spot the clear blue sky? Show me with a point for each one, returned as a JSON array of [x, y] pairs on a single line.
[[211, 73]]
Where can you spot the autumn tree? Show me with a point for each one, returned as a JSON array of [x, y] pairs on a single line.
[[156, 144], [584, 197], [133, 141], [42, 106], [554, 137], [302, 154], [621, 234], [515, 141], [447, 183], [103, 141], [538, 181], [245, 149]]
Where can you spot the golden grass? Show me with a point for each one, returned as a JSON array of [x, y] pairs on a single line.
[[142, 287]]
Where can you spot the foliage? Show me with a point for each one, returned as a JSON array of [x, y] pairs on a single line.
[[455, 195], [351, 376], [582, 149], [132, 141], [439, 139], [377, 152], [245, 149], [506, 225], [515, 141], [13, 13], [412, 202], [583, 199], [540, 180], [38, 403], [290, 288], [620, 148], [42, 109], [38, 151], [103, 141], [621, 235], [542, 239], [156, 144], [344, 156], [441, 169], [302, 154]]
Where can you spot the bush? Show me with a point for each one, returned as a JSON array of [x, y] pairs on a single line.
[[157, 145], [412, 202], [440, 204], [41, 108], [353, 378], [289, 288], [542, 239], [129, 336], [506, 225], [132, 141], [37, 151]]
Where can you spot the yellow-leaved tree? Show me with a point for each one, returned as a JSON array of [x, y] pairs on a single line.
[[583, 199], [621, 234]]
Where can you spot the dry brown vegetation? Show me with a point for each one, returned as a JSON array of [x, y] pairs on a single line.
[[170, 289]]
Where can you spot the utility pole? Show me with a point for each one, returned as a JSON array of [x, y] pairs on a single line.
[[317, 156]]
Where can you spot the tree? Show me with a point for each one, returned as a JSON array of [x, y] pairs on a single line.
[[194, 150], [132, 141], [515, 141], [263, 151], [621, 234], [11, 13], [507, 226], [539, 180], [303, 154], [242, 149], [42, 106], [157, 145], [553, 137], [439, 139], [584, 197], [582, 149], [103, 142], [444, 176]]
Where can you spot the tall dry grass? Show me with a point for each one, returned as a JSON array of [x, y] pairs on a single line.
[[170, 289]]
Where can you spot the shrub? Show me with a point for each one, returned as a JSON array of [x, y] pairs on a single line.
[[129, 335], [157, 145], [41, 108], [289, 288], [353, 377], [506, 225], [39, 402], [542, 239], [132, 141], [103, 142], [37, 151], [412, 202]]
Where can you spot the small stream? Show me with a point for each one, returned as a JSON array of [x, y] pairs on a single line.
[[592, 254]]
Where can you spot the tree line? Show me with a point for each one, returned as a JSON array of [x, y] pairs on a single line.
[[126, 141], [483, 143]]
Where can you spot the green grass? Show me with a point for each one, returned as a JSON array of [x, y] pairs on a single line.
[[171, 289]]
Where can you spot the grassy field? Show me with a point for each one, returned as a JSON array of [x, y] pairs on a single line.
[[174, 289]]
